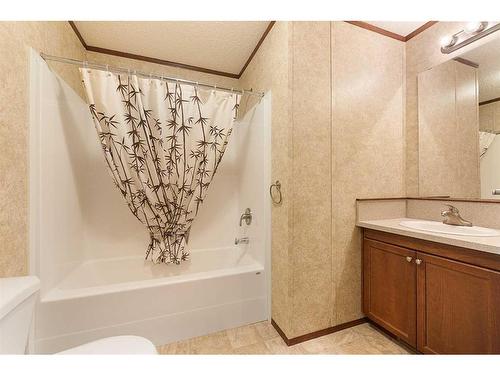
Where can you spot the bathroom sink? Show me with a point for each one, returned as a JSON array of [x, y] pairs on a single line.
[[438, 227]]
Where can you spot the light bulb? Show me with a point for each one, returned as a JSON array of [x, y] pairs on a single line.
[[448, 41], [474, 27]]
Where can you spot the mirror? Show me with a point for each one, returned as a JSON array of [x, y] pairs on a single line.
[[459, 126]]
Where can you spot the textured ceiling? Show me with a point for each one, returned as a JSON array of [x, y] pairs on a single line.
[[401, 28], [488, 58], [224, 46]]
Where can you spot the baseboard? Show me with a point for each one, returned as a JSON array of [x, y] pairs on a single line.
[[315, 334]]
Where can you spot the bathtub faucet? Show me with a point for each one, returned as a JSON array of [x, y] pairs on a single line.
[[243, 240]]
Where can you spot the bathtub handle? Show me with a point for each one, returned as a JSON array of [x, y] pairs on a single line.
[[276, 185]]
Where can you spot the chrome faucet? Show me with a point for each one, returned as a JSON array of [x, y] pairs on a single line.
[[243, 240], [452, 217], [247, 216]]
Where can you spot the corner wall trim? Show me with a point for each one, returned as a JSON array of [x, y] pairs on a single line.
[[316, 334], [378, 30], [489, 101], [172, 63], [425, 26], [77, 32], [268, 29], [160, 61], [390, 34], [466, 62]]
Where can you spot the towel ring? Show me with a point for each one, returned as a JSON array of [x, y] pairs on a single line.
[[277, 185]]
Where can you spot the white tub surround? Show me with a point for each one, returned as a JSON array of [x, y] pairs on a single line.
[[386, 215], [214, 290], [88, 250]]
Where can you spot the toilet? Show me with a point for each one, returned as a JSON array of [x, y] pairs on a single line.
[[17, 303]]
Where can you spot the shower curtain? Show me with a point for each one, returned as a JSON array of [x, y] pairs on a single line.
[[162, 144]]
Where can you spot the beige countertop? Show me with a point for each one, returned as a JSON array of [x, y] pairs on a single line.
[[486, 244]]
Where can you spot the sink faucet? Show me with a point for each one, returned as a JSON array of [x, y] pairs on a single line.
[[452, 217]]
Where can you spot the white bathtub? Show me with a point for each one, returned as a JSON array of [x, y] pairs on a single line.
[[217, 289]]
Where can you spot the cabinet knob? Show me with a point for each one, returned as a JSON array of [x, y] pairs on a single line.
[[409, 259], [418, 261]]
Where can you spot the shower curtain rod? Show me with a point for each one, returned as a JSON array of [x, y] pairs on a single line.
[[105, 67]]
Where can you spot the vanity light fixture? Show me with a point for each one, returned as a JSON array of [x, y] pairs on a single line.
[[475, 27], [448, 41], [473, 31]]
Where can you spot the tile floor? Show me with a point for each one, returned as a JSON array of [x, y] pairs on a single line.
[[262, 338]]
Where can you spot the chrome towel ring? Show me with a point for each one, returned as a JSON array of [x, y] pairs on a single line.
[[276, 185]]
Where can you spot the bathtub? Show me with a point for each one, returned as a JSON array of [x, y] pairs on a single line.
[[216, 289]]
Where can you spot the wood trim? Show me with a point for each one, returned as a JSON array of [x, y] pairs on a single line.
[[390, 34], [490, 101], [160, 61], [172, 63], [378, 30], [316, 334], [77, 32], [461, 254], [437, 198], [434, 197], [425, 26], [261, 40], [466, 62]]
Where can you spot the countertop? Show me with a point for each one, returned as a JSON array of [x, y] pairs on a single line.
[[486, 244]]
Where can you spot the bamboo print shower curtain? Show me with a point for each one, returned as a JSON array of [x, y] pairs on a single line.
[[162, 145]]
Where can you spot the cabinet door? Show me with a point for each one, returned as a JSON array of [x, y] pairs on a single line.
[[458, 307], [389, 288]]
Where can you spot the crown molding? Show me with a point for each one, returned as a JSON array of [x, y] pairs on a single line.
[[172, 63], [390, 34]]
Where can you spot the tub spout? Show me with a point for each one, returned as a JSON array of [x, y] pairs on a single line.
[[243, 240]]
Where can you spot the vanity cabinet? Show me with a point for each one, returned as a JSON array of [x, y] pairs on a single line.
[[437, 298], [390, 288]]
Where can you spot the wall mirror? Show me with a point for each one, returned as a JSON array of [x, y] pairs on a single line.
[[459, 125]]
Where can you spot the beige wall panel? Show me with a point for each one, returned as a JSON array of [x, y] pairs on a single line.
[[448, 131], [486, 117], [437, 129], [368, 146], [489, 117], [55, 38], [311, 177], [468, 182], [269, 70]]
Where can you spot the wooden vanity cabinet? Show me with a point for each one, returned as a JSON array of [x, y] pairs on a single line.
[[390, 288], [437, 298]]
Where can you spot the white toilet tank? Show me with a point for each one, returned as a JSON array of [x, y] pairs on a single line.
[[17, 304]]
